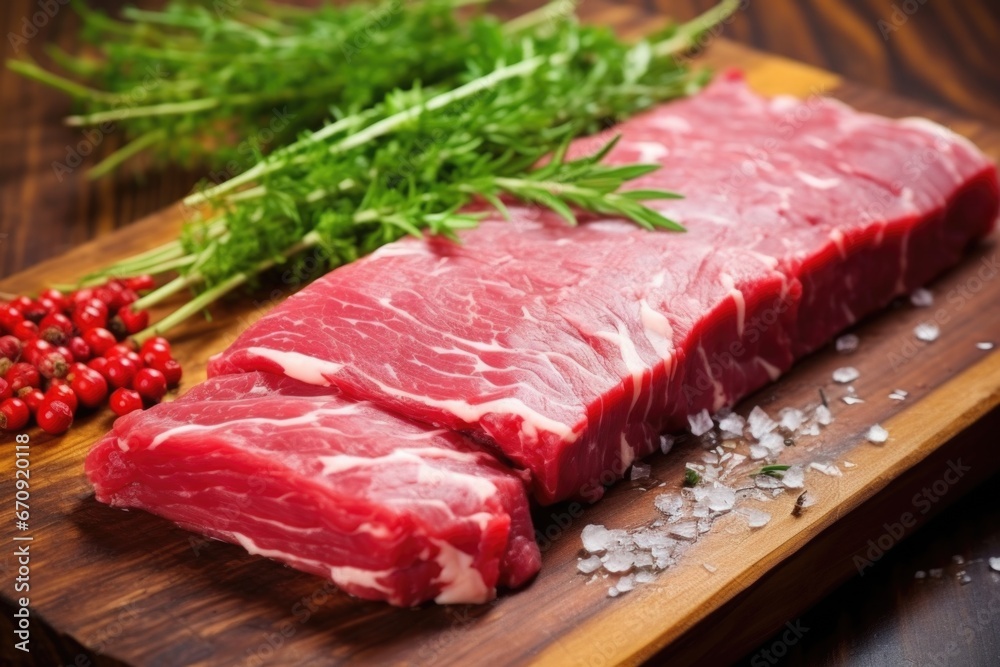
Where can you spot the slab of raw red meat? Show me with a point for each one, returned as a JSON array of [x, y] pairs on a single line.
[[387, 509], [570, 349]]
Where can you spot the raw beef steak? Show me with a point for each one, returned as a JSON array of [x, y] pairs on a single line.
[[387, 509], [570, 349]]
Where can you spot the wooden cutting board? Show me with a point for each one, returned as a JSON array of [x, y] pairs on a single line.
[[129, 587]]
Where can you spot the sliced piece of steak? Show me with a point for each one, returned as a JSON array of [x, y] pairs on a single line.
[[570, 349], [387, 509]]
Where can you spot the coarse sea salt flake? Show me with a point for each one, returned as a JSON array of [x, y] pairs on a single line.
[[588, 565], [823, 415], [758, 452], [639, 471], [922, 298], [733, 424], [669, 503], [877, 434], [685, 530], [701, 423], [760, 423], [791, 418], [826, 468], [847, 343], [720, 498], [927, 332], [756, 518], [846, 374], [995, 563], [596, 538], [794, 477], [852, 400], [774, 443], [711, 568], [985, 345], [667, 443], [619, 560]]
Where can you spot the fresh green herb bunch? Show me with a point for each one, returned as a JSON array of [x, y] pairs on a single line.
[[411, 162], [199, 83]]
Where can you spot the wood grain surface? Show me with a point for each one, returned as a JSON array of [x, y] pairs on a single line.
[[940, 54]]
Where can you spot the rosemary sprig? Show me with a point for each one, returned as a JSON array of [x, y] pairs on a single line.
[[410, 162], [777, 471]]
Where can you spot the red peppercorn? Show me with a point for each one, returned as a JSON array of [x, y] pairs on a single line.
[[54, 417], [35, 349], [80, 297], [172, 371], [10, 317], [21, 303], [14, 414], [123, 350], [5, 390], [32, 397], [124, 401], [90, 314], [155, 355], [62, 392], [133, 321], [154, 342], [35, 312], [100, 340], [99, 364], [128, 297], [79, 349], [141, 283], [53, 365], [26, 330], [49, 306], [121, 371], [56, 297], [90, 387], [10, 347], [151, 384], [56, 328], [22, 375]]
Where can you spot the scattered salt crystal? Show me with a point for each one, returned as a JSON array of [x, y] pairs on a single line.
[[685, 530], [720, 498], [808, 500], [710, 568], [919, 574], [846, 374], [826, 468], [639, 471], [927, 332], [756, 518], [922, 298], [588, 565], [935, 572], [774, 443], [612, 592], [877, 434], [667, 443], [701, 423], [957, 560], [645, 577], [812, 429], [847, 343], [852, 400], [848, 464], [901, 392], [619, 560], [823, 415], [794, 478], [733, 424], [964, 578], [643, 559], [792, 418], [985, 345], [760, 423], [626, 583], [995, 564], [670, 504], [898, 395], [758, 452], [768, 482], [596, 538]]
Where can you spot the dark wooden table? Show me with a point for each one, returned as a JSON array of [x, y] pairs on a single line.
[[939, 52]]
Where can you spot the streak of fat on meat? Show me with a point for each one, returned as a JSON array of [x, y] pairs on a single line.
[[634, 364], [460, 581], [311, 417], [729, 284], [426, 473], [531, 420], [299, 366]]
